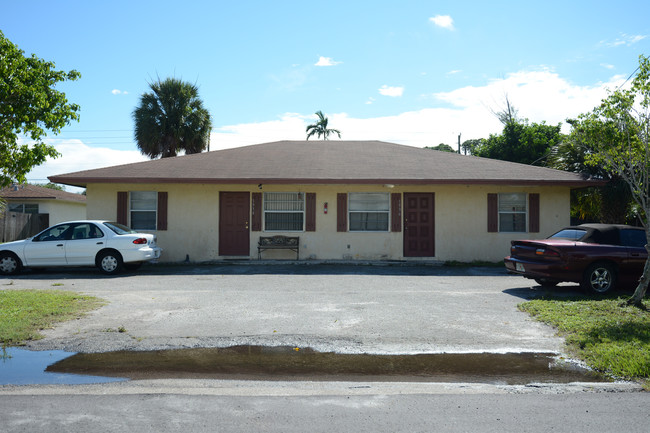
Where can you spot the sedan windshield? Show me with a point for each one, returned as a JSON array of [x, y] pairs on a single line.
[[570, 234], [119, 229]]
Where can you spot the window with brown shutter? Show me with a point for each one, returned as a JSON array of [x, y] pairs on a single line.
[[396, 212], [310, 212], [256, 221], [513, 212], [148, 209], [162, 210], [122, 207], [493, 213], [341, 212], [533, 213]]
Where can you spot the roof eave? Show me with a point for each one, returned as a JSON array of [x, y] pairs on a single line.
[[323, 181]]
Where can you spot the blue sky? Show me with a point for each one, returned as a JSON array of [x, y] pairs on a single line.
[[411, 72]]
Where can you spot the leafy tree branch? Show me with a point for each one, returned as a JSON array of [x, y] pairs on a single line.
[[30, 105]]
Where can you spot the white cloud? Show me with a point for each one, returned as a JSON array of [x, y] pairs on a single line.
[[290, 126], [537, 95], [391, 91], [636, 38], [607, 66], [625, 39], [119, 92], [78, 156], [444, 21], [326, 61]]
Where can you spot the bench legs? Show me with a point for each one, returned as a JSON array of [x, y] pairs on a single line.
[[260, 249]]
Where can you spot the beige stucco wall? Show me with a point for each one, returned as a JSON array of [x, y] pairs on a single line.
[[460, 221]]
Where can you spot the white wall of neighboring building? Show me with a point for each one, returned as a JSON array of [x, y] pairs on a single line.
[[60, 211]]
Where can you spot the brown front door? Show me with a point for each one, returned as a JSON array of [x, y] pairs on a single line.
[[419, 233], [234, 236]]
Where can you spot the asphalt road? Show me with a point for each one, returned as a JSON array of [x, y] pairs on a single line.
[[319, 407], [348, 309]]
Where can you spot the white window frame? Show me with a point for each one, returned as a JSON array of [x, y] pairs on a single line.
[[513, 212], [351, 210], [286, 209], [132, 199]]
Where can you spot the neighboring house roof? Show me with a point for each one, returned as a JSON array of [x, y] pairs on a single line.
[[325, 162], [34, 192]]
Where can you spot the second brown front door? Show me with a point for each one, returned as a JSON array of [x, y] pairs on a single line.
[[419, 225], [234, 235]]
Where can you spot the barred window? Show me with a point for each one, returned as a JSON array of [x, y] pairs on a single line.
[[284, 211], [368, 211], [512, 212]]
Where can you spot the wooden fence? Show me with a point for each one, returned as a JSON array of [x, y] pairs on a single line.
[[15, 226]]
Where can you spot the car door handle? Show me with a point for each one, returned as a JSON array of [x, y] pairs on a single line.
[[100, 243], [59, 245]]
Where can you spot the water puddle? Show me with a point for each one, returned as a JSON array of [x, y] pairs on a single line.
[[26, 367], [292, 363]]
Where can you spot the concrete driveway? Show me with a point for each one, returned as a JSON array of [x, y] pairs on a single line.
[[343, 308]]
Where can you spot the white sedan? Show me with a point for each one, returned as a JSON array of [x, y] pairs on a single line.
[[108, 245]]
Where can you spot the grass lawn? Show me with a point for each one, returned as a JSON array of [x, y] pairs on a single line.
[[609, 338], [23, 313]]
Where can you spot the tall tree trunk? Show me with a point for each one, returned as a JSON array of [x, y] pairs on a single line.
[[642, 287]]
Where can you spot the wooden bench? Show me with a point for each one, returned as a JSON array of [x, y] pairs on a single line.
[[278, 242]]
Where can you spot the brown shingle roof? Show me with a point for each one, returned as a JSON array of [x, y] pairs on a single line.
[[325, 162], [34, 192]]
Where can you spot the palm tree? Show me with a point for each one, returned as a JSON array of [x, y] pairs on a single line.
[[171, 119], [320, 128]]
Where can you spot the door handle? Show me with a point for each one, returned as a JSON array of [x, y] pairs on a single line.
[[59, 245], [100, 243]]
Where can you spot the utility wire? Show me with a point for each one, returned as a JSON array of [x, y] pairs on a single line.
[[628, 78]]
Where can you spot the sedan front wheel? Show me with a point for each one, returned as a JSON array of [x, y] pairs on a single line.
[[9, 264], [599, 278], [110, 262]]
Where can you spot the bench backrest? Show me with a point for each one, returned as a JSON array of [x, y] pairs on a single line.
[[279, 240]]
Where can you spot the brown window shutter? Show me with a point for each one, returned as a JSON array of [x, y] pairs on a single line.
[[533, 213], [310, 212], [122, 207], [341, 212], [162, 210], [493, 213], [256, 220], [396, 212]]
